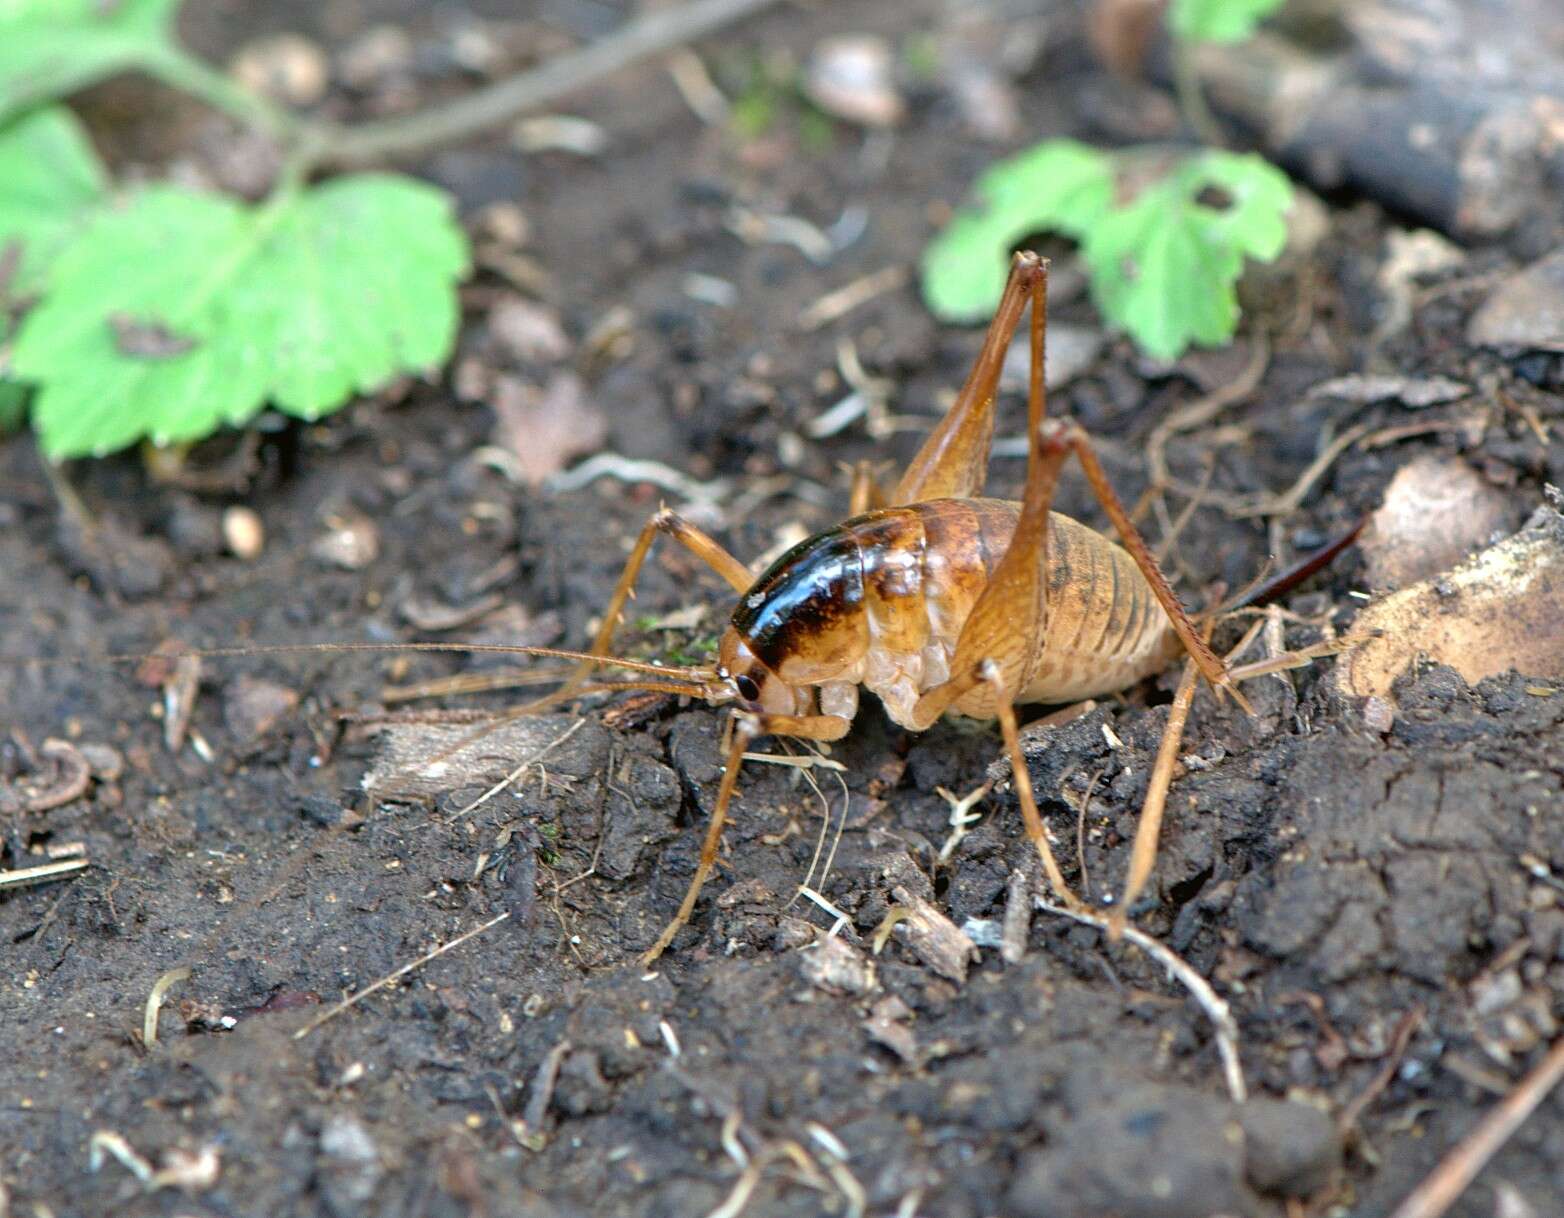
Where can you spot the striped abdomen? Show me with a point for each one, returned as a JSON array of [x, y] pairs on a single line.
[[880, 600]]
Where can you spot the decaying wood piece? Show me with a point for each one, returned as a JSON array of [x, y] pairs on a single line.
[[422, 761], [1391, 102], [1501, 610]]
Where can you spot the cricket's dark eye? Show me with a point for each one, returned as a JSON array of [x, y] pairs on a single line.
[[748, 690]]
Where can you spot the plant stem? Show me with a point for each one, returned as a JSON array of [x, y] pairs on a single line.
[[181, 70], [1191, 98], [313, 143], [501, 102]]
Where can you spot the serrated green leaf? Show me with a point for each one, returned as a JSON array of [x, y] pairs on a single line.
[[1165, 266], [1056, 186], [181, 311], [1218, 20], [49, 48], [50, 178]]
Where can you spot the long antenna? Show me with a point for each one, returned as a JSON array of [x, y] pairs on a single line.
[[266, 649]]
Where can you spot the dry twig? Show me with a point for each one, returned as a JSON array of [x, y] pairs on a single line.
[[843, 300], [1202, 410], [1459, 1168], [1399, 1041], [42, 873], [655, 33]]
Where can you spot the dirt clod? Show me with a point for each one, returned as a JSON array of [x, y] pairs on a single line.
[[1290, 1150], [1187, 1150]]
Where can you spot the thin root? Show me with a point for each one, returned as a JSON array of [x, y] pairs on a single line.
[[160, 987], [390, 978], [521, 769], [1216, 1009]]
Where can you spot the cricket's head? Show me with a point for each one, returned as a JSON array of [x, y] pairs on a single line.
[[754, 686]]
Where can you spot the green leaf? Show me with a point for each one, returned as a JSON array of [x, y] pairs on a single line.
[[182, 312], [1165, 266], [13, 406], [51, 179], [1218, 20], [49, 48], [1057, 186]]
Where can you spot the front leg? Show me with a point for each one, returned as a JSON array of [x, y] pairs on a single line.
[[749, 728], [692, 539]]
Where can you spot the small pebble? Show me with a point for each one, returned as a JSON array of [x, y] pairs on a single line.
[[243, 533], [286, 68], [352, 544], [853, 77], [378, 53]]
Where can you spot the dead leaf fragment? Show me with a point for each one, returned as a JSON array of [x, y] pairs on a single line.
[[834, 964], [543, 431], [932, 937], [1436, 511], [252, 707], [1526, 310], [1409, 256], [887, 1025], [1497, 612], [1411, 391], [528, 331]]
